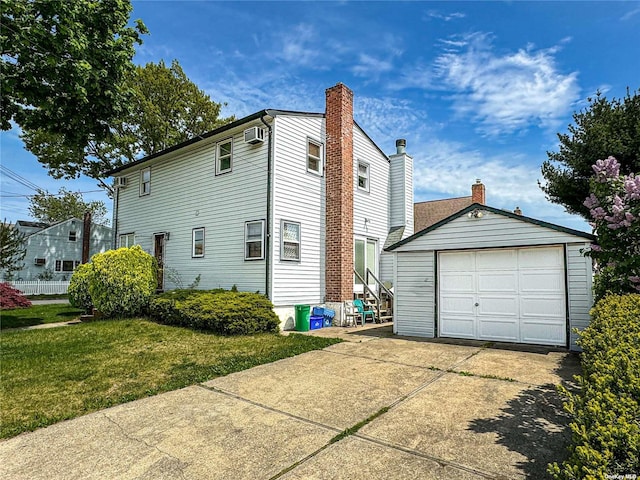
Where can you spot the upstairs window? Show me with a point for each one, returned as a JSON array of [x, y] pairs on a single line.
[[290, 241], [314, 157], [145, 181], [224, 163], [127, 240], [72, 236], [197, 242], [254, 240], [363, 176]]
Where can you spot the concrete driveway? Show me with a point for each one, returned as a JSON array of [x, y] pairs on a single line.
[[415, 410]]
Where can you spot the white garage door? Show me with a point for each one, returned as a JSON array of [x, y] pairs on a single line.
[[511, 295]]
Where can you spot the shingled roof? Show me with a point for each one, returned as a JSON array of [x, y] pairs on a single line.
[[431, 212]]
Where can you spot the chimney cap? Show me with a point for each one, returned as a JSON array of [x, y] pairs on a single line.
[[401, 145], [478, 181]]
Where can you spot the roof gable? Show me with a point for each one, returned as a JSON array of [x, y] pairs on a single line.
[[558, 229]]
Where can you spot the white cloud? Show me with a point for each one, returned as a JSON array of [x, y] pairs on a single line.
[[369, 66], [629, 14], [505, 92], [299, 47], [447, 17]]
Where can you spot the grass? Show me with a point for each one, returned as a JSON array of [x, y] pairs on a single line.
[[37, 315], [56, 374], [49, 296]]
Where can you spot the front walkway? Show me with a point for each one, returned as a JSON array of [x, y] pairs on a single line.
[[409, 409]]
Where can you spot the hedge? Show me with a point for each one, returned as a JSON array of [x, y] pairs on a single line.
[[220, 311], [606, 409], [78, 290]]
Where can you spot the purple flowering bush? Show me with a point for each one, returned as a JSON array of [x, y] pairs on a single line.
[[614, 205]]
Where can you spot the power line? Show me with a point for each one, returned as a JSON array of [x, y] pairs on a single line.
[[19, 178]]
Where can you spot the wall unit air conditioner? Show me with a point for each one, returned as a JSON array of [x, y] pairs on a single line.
[[39, 262], [121, 182], [254, 135]]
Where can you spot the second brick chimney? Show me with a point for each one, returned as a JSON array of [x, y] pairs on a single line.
[[477, 192], [339, 199]]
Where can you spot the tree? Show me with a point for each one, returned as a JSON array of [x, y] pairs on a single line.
[[64, 65], [13, 249], [166, 108], [614, 205], [606, 127], [56, 208]]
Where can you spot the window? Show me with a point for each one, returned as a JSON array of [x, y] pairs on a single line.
[[254, 240], [72, 235], [197, 242], [363, 176], [225, 156], [145, 181], [314, 157], [290, 241], [127, 240], [66, 265], [40, 262]]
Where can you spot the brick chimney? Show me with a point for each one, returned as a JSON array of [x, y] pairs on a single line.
[[339, 199], [477, 192]]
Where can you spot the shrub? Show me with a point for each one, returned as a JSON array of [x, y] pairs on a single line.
[[12, 298], [122, 281], [78, 290], [228, 313], [606, 410]]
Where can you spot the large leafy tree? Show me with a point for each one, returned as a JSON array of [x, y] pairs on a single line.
[[56, 208], [12, 249], [64, 66], [605, 128], [166, 108]]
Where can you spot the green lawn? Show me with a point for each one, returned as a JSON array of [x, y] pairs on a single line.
[[37, 315], [60, 373]]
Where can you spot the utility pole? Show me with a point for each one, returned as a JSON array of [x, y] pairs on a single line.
[[86, 236]]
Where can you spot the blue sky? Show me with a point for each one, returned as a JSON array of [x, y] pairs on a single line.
[[478, 89]]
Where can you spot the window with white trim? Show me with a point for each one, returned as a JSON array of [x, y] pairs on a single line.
[[72, 236], [290, 241], [314, 157], [197, 242], [127, 240], [224, 154], [66, 265], [254, 240], [145, 181], [363, 176]]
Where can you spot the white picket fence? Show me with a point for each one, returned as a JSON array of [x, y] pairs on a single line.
[[42, 287]]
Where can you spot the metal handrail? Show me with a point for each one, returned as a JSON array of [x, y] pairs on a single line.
[[380, 284], [368, 289]]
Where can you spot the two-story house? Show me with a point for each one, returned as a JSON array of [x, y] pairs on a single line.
[[54, 251], [286, 203]]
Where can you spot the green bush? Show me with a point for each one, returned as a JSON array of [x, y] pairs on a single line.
[[228, 313], [78, 291], [606, 410], [122, 281]]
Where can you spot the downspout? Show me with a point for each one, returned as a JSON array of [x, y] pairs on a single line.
[[267, 281]]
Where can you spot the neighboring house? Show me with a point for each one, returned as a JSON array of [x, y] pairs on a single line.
[[489, 274], [56, 250], [280, 202], [430, 212]]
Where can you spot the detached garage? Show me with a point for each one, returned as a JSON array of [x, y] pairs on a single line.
[[489, 274]]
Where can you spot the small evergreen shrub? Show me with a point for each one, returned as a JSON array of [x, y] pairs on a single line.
[[224, 312], [12, 298], [606, 410], [78, 290], [122, 281]]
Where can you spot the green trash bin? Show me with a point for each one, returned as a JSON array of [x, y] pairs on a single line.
[[302, 318]]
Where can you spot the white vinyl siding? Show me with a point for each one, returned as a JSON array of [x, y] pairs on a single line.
[[579, 286], [298, 195], [414, 294], [374, 204], [145, 181], [224, 156], [186, 195], [197, 243]]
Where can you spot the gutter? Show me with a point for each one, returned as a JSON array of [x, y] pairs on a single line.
[[267, 281]]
